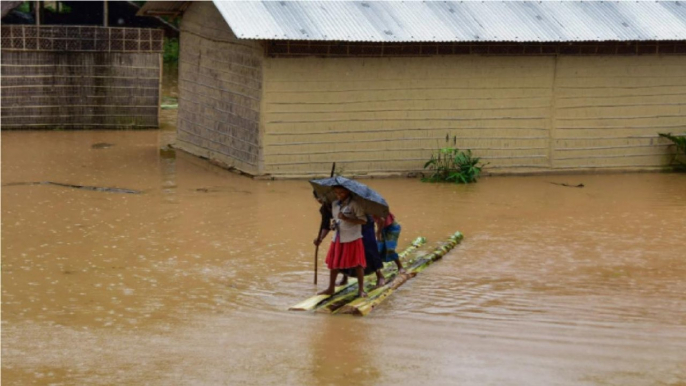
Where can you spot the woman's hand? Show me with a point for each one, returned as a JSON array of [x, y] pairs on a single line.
[[351, 219], [317, 242]]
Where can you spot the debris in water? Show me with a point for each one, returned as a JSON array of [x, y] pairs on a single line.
[[568, 185], [101, 145], [215, 189], [168, 152], [169, 103], [84, 187]]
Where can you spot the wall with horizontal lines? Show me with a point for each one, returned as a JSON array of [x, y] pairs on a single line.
[[608, 111], [220, 91], [80, 77], [519, 113]]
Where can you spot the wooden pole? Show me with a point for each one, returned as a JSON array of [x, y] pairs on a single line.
[[160, 63], [316, 260], [36, 10], [105, 13]]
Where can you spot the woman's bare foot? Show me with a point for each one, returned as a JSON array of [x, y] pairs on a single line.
[[402, 270], [328, 291], [380, 282], [362, 294]]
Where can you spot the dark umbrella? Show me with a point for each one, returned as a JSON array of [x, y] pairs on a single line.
[[371, 201]]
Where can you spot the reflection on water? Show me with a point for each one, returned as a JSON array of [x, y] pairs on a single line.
[[191, 279], [170, 95]]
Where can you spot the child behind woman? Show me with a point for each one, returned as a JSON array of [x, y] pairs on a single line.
[[388, 232]]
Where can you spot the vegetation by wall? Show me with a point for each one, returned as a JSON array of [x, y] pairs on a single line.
[[171, 50]]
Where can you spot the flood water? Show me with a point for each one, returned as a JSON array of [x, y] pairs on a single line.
[[188, 283]]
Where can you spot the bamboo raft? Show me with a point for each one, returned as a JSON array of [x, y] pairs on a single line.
[[363, 306], [342, 290], [345, 299]]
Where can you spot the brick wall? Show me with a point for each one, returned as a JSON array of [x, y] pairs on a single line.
[[71, 77]]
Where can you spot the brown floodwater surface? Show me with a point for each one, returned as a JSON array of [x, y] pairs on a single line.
[[188, 283]]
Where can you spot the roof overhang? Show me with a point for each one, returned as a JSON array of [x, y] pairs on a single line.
[[163, 8], [8, 6]]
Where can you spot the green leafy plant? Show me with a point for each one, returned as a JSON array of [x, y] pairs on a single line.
[[171, 50], [25, 7], [450, 164], [54, 7], [680, 143]]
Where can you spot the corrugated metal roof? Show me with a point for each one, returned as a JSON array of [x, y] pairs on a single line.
[[456, 21]]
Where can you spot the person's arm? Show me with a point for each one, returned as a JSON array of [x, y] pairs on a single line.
[[380, 223], [322, 234], [353, 220], [324, 225], [358, 216]]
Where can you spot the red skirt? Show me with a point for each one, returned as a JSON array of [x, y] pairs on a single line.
[[346, 255]]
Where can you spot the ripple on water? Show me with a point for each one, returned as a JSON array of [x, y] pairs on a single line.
[[563, 279]]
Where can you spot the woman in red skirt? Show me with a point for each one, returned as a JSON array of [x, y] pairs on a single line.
[[347, 249]]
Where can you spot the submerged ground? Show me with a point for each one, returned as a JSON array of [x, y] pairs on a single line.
[[189, 282]]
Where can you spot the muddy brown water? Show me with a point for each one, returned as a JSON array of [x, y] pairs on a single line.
[[189, 282]]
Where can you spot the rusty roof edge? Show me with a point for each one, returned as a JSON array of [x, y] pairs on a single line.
[[163, 8]]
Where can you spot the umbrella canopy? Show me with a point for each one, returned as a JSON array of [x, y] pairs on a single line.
[[370, 200]]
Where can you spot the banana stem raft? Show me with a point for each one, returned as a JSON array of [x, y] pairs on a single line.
[[363, 306], [342, 293]]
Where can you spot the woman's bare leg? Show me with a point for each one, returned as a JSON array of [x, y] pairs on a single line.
[[360, 282], [380, 279], [332, 283], [400, 266], [344, 280]]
